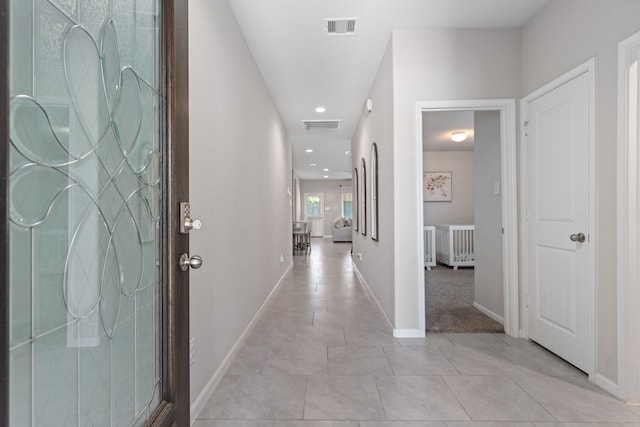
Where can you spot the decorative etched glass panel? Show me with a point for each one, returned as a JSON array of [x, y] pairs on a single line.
[[85, 202]]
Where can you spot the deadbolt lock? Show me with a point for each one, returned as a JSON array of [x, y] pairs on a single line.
[[186, 223]]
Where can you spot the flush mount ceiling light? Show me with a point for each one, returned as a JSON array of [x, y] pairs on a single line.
[[308, 150], [458, 136], [326, 176], [312, 164], [320, 109], [326, 169]]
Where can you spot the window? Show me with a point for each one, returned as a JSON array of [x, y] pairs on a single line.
[[313, 206], [347, 205]]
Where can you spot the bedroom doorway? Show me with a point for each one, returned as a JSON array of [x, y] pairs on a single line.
[[490, 287], [462, 216]]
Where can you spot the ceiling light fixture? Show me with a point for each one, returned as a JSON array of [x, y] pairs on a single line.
[[326, 176], [320, 109], [458, 136], [326, 169], [312, 164], [308, 150]]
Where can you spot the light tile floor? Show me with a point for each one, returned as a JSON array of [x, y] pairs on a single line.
[[323, 355]]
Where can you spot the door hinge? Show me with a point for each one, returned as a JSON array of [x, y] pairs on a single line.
[[526, 300], [526, 128]]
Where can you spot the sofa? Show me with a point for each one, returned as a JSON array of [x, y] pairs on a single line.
[[341, 229]]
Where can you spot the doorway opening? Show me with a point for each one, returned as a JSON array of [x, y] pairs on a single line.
[[463, 221], [508, 308]]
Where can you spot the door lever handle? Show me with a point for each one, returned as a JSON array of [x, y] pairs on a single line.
[[579, 237]]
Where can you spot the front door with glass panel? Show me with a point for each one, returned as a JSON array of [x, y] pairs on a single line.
[[86, 212]]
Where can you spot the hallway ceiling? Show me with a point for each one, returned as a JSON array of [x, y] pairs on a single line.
[[304, 67]]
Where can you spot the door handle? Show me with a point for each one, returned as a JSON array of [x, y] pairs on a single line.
[[580, 237], [194, 262]]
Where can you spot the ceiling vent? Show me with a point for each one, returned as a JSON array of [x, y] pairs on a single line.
[[341, 26], [312, 126]]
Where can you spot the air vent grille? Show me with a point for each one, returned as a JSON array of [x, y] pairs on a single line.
[[341, 26], [312, 126]]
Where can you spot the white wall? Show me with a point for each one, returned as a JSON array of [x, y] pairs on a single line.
[[437, 64], [488, 213], [332, 190], [564, 34], [239, 175], [377, 264], [460, 209]]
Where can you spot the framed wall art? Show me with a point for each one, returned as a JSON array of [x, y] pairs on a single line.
[[374, 191], [362, 205], [436, 186], [356, 200]]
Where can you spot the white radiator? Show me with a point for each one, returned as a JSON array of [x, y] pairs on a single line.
[[429, 246], [455, 245]]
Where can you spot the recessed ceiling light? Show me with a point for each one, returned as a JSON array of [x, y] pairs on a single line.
[[347, 153], [458, 136], [326, 169], [320, 109], [312, 164], [309, 150], [326, 176]]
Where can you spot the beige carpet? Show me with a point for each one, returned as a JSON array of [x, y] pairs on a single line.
[[449, 302]]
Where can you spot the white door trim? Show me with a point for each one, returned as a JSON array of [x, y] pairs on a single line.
[[589, 67], [507, 109], [628, 231]]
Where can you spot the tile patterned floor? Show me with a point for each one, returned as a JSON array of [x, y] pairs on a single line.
[[323, 355]]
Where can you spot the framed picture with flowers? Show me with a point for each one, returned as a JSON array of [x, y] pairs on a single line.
[[436, 186]]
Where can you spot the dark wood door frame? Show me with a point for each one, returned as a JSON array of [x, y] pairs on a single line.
[[175, 408]]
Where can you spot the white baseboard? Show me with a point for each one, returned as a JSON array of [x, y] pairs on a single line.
[[200, 402], [489, 313], [606, 384], [408, 333], [366, 286]]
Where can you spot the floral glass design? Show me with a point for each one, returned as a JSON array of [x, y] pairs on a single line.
[[85, 207], [437, 186]]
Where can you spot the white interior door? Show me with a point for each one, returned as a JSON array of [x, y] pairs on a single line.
[[558, 208], [314, 212]]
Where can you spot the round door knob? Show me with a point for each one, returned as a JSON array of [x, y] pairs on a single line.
[[193, 262], [579, 237], [196, 224]]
